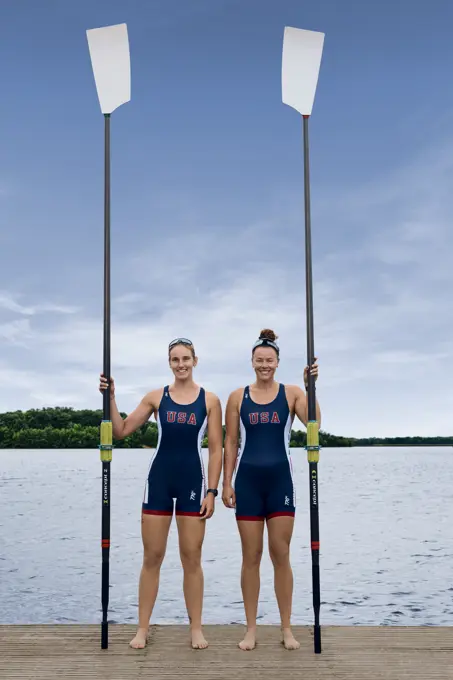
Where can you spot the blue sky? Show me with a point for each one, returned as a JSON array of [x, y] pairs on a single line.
[[207, 205]]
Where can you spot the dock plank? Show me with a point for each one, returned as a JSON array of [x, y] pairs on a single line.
[[47, 652]]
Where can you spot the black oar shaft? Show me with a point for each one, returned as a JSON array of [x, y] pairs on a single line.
[[107, 264], [312, 426], [106, 425], [309, 276], [105, 551]]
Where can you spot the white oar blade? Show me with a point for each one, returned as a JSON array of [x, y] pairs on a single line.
[[110, 59], [301, 61]]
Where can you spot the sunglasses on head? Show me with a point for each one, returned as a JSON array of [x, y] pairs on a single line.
[[180, 341]]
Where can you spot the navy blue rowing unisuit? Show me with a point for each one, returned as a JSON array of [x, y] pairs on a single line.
[[176, 470], [264, 480]]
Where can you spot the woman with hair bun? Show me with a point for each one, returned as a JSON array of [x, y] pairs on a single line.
[[263, 488]]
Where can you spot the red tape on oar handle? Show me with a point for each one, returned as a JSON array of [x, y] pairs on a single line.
[[106, 543], [315, 545]]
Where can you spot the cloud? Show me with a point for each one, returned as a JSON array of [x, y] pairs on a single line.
[[9, 302], [15, 332], [382, 276]]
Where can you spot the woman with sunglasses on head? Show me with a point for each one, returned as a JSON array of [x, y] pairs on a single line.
[[183, 411], [263, 486]]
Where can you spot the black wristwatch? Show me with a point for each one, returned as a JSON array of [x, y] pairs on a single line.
[[213, 491]]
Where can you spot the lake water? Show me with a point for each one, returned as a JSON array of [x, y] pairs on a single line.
[[386, 527]]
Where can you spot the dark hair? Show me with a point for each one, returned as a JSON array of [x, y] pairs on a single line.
[[268, 334], [267, 339]]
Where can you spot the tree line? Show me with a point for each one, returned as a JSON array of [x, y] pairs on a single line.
[[68, 428]]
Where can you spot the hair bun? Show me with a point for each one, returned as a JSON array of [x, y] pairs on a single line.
[[268, 334]]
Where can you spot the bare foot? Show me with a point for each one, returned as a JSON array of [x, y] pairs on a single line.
[[198, 640], [289, 641], [249, 641], [140, 639]]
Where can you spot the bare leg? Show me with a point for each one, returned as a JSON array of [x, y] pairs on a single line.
[[280, 530], [252, 549], [191, 535], [155, 530]]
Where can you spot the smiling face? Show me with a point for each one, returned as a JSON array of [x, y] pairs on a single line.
[[265, 363], [182, 361]]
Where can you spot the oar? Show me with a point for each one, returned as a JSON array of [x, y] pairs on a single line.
[[110, 59], [301, 60]]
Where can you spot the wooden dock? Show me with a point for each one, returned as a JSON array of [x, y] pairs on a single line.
[[45, 652]]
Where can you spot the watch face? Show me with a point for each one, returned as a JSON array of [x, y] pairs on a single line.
[[213, 491]]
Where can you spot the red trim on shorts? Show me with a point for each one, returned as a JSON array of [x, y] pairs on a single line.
[[188, 514], [249, 518], [166, 513], [281, 514]]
